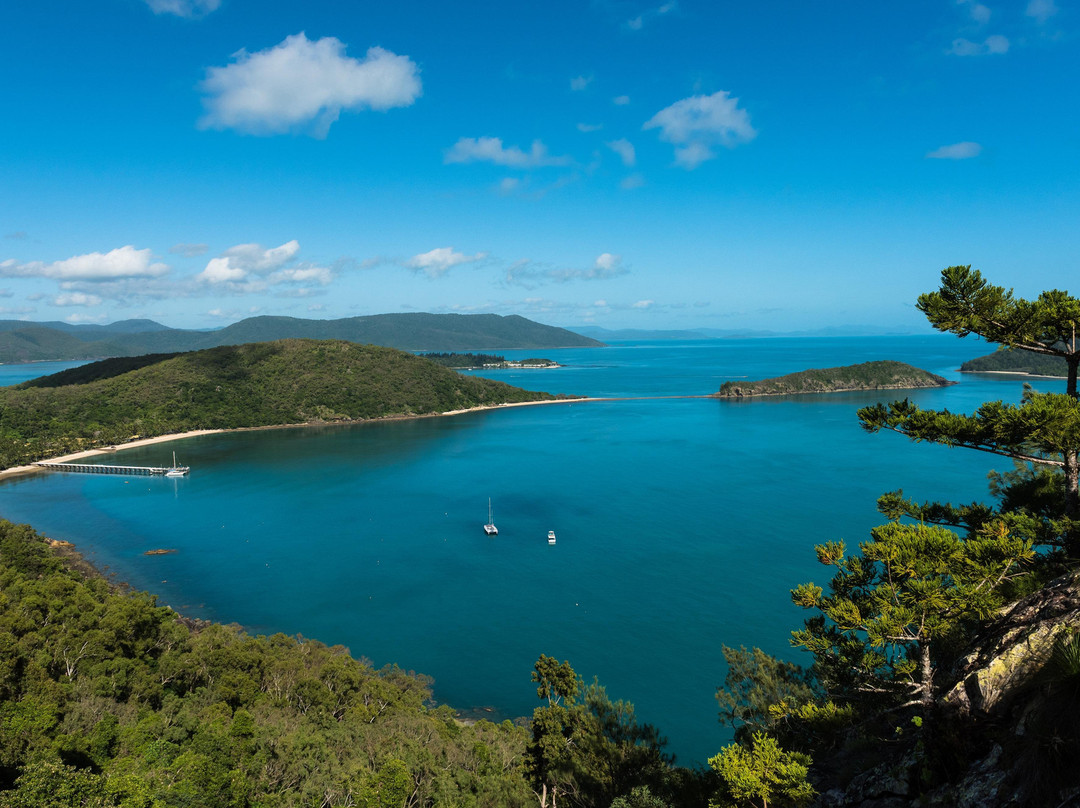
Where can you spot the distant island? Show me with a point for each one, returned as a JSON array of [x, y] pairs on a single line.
[[232, 387], [473, 361], [22, 341], [881, 375], [1017, 360]]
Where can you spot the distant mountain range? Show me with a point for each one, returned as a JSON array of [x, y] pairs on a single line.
[[21, 341]]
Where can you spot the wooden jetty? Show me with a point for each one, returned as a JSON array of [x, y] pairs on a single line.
[[101, 468]]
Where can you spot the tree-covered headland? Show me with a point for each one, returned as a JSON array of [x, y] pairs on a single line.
[[239, 386], [946, 647]]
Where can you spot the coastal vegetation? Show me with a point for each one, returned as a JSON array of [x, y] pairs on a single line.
[[253, 385], [881, 375], [109, 700], [1017, 360], [28, 342], [474, 361]]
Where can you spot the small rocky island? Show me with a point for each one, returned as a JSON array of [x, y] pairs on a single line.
[[881, 375]]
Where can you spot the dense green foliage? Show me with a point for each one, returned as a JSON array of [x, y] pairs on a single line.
[[881, 375], [24, 342], [587, 750], [474, 361], [259, 384], [1017, 360], [109, 700]]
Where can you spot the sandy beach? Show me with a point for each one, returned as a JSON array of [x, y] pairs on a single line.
[[15, 471]]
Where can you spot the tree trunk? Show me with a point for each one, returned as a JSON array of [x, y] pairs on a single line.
[[1072, 360], [926, 677]]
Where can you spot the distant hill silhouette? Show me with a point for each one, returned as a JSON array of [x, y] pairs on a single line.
[[27, 342]]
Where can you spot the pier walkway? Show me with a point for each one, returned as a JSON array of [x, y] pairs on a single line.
[[101, 468]]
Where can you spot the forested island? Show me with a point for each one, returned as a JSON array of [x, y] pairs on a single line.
[[32, 342], [1017, 360], [231, 387], [881, 375], [474, 361]]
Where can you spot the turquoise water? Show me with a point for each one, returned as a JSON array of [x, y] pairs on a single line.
[[682, 523]]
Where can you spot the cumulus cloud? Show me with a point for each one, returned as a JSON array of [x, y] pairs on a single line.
[[491, 149], [696, 125], [633, 181], [76, 299], [643, 304], [994, 44], [123, 262], [620, 100], [184, 8], [589, 127], [625, 149], [302, 84], [1041, 10], [436, 262], [579, 83], [253, 268], [956, 151]]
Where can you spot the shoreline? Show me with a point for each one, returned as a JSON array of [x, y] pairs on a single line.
[[18, 471]]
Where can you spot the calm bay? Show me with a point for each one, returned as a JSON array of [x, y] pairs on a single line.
[[682, 523]]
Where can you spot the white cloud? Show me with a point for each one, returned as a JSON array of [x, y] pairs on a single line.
[[77, 319], [76, 299], [697, 124], [435, 263], [491, 149], [590, 127], [625, 149], [643, 304], [184, 8], [251, 268], [632, 182], [620, 100], [956, 151], [579, 83], [1041, 10], [123, 262], [304, 85], [994, 44], [507, 185]]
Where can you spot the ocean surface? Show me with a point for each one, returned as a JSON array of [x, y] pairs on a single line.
[[682, 523]]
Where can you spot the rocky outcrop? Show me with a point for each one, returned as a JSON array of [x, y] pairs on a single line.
[[1011, 720], [1010, 653]]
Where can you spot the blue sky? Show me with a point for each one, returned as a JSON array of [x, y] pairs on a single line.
[[678, 164]]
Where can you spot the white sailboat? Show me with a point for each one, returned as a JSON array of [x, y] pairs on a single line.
[[551, 537], [176, 470], [490, 528]]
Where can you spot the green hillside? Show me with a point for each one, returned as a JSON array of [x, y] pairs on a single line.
[[882, 375], [259, 384], [26, 342], [1016, 360]]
